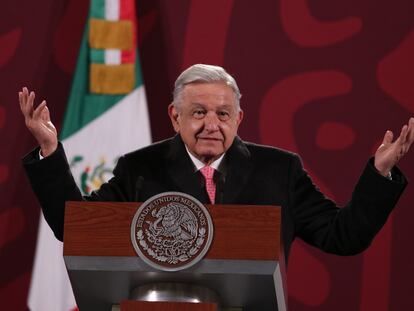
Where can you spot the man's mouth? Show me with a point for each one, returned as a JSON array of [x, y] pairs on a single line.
[[210, 138]]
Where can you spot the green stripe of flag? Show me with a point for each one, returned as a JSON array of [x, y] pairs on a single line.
[[97, 56], [97, 9]]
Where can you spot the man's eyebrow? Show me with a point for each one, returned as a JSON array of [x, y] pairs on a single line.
[[201, 105], [225, 106], [197, 104]]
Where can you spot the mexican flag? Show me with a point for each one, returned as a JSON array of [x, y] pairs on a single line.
[[106, 117]]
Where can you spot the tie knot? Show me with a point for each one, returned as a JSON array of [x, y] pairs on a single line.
[[208, 172]]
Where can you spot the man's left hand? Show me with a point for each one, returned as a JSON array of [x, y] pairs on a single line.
[[389, 153]]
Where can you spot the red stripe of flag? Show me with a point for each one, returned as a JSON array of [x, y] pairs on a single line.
[[127, 12]]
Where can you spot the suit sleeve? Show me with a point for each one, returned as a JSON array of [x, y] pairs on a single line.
[[344, 230], [53, 184]]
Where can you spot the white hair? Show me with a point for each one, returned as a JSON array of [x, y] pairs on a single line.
[[201, 73]]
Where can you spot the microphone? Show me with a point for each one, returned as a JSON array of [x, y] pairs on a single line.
[[138, 187]]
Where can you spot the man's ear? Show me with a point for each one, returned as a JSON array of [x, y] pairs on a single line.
[[174, 117], [240, 116]]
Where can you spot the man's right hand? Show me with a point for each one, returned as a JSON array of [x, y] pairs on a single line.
[[38, 122]]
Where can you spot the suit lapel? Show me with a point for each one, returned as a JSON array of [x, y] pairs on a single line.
[[181, 170], [238, 168]]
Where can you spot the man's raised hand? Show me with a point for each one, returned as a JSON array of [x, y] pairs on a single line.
[[389, 153], [38, 122]]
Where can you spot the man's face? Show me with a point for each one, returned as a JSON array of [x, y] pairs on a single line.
[[207, 119]]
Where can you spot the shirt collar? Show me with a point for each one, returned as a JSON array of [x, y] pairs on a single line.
[[199, 165]]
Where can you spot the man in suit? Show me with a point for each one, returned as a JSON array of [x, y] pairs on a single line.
[[206, 114]]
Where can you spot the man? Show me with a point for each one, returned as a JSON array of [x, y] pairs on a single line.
[[206, 114]]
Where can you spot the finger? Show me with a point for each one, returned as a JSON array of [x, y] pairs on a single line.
[[22, 103], [45, 114], [403, 135], [29, 104], [25, 106], [25, 94], [39, 110], [410, 135], [388, 138], [20, 100]]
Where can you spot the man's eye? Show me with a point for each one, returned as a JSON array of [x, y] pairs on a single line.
[[223, 115], [199, 114]]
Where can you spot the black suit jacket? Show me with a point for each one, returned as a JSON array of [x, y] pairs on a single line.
[[252, 174]]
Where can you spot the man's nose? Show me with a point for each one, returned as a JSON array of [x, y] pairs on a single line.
[[211, 122]]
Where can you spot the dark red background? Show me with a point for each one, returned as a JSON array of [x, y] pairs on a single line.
[[322, 78]]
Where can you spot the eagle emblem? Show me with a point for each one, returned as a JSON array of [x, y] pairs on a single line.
[[171, 231]]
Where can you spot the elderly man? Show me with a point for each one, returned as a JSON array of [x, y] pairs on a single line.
[[206, 114]]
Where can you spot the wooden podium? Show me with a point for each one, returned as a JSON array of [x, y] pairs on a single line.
[[244, 266]]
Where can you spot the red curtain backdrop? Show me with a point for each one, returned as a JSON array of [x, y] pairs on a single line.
[[321, 78]]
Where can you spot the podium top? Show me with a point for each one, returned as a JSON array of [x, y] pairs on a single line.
[[243, 232]]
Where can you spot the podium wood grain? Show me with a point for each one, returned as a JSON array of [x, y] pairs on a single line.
[[104, 229]]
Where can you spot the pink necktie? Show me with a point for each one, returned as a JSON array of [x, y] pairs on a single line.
[[208, 173]]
